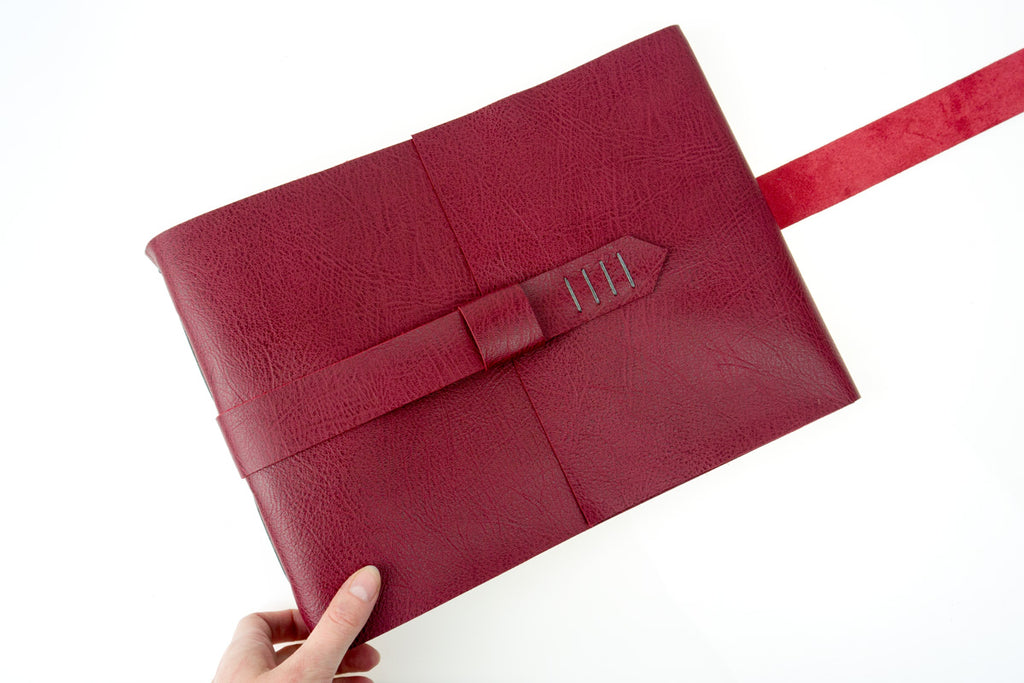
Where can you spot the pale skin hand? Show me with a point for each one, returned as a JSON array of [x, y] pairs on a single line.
[[250, 658]]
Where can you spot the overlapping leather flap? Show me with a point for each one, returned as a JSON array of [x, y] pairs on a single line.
[[727, 353], [480, 334]]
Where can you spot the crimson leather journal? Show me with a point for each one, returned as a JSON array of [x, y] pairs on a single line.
[[449, 355]]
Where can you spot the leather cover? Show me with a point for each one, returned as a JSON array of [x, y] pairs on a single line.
[[418, 358]]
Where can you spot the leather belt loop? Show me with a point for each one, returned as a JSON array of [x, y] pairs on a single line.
[[503, 324]]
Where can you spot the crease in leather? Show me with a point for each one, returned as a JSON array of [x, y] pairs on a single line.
[[447, 218], [554, 454]]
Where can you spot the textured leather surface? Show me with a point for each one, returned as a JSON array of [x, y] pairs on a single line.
[[724, 353], [303, 412]]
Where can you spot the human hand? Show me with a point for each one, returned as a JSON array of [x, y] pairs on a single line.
[[250, 658]]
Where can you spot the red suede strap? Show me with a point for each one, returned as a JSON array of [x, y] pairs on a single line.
[[895, 142]]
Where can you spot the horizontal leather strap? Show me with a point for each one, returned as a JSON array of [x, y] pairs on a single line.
[[895, 142], [477, 335]]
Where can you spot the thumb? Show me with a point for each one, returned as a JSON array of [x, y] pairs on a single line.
[[319, 657]]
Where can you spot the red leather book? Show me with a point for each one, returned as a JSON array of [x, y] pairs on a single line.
[[449, 355]]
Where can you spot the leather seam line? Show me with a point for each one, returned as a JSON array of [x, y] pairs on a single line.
[[515, 365], [447, 218], [554, 453]]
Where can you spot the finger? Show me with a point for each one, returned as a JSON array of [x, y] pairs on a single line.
[[340, 624], [286, 652], [353, 679], [285, 626], [250, 652], [360, 658]]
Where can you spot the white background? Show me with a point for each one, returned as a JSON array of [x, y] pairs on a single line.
[[882, 543]]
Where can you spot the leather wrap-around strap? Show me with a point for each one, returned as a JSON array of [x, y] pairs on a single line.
[[895, 142], [477, 335]]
